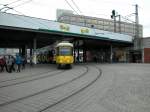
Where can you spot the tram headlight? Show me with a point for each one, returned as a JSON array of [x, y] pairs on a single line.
[[68, 60], [60, 61]]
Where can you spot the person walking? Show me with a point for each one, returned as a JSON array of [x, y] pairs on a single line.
[[6, 63], [13, 63], [31, 62], [1, 64], [18, 62], [23, 62]]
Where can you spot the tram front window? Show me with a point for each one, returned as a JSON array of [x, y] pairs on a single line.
[[65, 51]]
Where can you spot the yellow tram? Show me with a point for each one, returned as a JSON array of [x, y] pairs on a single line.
[[64, 54]]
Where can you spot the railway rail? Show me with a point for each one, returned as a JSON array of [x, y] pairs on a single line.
[[76, 92], [85, 80], [28, 78]]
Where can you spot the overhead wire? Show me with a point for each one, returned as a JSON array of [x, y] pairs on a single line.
[[22, 3], [2, 4], [76, 6], [130, 15], [71, 7], [6, 7], [125, 18], [11, 8], [12, 2]]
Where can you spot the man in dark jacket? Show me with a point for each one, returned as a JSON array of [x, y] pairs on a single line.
[[3, 64]]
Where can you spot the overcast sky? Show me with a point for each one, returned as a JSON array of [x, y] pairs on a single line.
[[97, 8]]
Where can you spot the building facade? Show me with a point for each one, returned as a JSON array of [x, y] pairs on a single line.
[[99, 23], [134, 53], [146, 49]]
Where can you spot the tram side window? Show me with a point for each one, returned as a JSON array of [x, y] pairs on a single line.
[[57, 51]]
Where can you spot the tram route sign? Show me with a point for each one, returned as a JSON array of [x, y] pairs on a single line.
[[84, 30], [64, 27]]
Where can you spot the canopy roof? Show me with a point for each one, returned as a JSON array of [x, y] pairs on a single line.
[[48, 26]]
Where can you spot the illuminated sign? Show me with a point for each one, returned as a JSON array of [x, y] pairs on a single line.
[[84, 30], [64, 27]]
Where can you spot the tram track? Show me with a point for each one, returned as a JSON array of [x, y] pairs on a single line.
[[30, 78], [73, 93], [30, 75], [45, 90]]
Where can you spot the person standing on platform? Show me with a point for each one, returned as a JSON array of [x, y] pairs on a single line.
[[6, 63], [31, 61], [10, 63], [18, 62], [23, 62], [13, 63]]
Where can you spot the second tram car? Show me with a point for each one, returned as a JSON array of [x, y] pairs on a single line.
[[64, 54]]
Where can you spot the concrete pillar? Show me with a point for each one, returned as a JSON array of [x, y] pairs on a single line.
[[26, 47], [34, 50], [30, 52], [74, 54], [23, 53], [84, 51], [31, 55], [78, 50], [20, 51]]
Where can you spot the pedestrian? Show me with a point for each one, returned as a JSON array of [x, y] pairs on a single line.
[[10, 64], [18, 62], [1, 64], [13, 63], [31, 62], [5, 63], [23, 62]]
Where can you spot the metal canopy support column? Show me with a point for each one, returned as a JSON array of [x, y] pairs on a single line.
[[24, 51], [20, 51], [26, 47], [78, 51], [31, 52], [30, 55], [34, 50], [74, 54], [84, 51]]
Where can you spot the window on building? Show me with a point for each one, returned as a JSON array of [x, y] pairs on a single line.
[[106, 23], [73, 19], [88, 20], [94, 21], [100, 27], [106, 27], [100, 22]]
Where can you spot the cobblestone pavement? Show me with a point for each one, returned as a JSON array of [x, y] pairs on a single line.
[[121, 88]]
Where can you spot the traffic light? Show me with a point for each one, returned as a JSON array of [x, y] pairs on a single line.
[[112, 16], [113, 13]]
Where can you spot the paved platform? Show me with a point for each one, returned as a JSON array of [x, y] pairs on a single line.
[[121, 88]]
